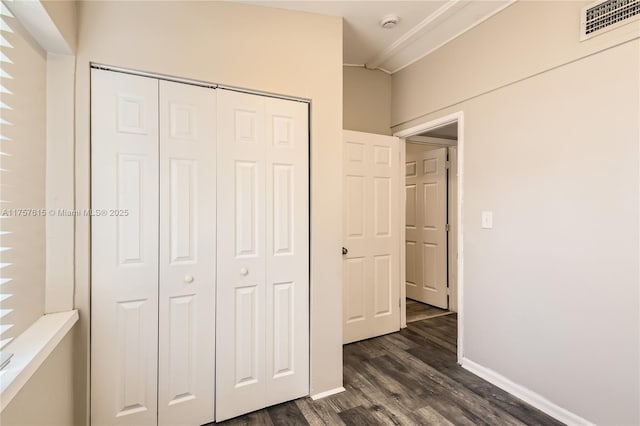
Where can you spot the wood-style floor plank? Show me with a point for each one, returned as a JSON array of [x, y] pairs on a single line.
[[406, 378], [417, 311]]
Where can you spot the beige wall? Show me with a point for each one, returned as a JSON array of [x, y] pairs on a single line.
[[45, 398], [507, 48], [367, 100], [551, 295], [273, 50]]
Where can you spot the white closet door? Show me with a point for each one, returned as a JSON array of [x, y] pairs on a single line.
[[262, 303], [240, 324], [187, 254], [287, 275], [124, 274]]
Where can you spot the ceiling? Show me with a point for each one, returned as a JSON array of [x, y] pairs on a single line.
[[449, 131], [424, 26]]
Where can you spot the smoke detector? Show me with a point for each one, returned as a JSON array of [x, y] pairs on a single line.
[[389, 21]]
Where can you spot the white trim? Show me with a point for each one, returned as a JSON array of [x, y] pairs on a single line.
[[458, 34], [327, 393], [403, 224], [408, 37], [421, 128], [30, 349], [525, 394]]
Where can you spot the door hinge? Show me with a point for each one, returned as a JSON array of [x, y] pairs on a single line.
[[447, 164], [448, 290], [447, 228], [399, 303]]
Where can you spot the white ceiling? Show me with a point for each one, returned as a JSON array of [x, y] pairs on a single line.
[[424, 26]]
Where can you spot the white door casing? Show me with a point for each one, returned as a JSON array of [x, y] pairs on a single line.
[[263, 255], [371, 270], [186, 380], [452, 237], [124, 246], [425, 222]]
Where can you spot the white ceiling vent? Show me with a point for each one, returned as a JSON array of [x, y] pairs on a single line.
[[607, 15]]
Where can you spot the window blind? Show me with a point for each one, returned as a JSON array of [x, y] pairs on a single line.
[[22, 174]]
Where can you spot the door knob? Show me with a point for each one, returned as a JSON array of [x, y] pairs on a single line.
[[345, 251], [188, 279], [244, 271]]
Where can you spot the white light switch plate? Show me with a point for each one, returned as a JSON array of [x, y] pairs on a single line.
[[487, 220]]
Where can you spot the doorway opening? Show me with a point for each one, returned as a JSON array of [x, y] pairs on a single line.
[[431, 247]]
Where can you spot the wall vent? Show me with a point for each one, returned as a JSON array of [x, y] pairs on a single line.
[[607, 15]]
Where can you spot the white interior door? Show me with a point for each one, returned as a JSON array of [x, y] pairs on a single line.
[[371, 273], [262, 356], [186, 380], [425, 233], [124, 245]]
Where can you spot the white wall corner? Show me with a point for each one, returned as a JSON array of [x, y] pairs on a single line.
[[530, 397], [36, 20], [59, 191]]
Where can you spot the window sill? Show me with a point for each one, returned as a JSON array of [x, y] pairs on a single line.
[[31, 349]]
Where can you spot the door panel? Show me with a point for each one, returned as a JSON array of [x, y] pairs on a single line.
[[124, 273], [425, 232], [287, 234], [371, 269], [240, 366], [263, 253], [187, 254]]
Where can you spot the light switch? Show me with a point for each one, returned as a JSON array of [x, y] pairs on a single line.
[[487, 220]]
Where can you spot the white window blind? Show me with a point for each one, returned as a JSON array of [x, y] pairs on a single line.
[[22, 184]]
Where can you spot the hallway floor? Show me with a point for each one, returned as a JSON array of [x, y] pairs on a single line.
[[417, 311], [406, 378]]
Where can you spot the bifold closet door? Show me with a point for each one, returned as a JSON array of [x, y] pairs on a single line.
[[124, 249], [187, 254], [262, 352], [153, 254]]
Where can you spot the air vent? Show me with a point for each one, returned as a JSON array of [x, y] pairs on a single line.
[[606, 15]]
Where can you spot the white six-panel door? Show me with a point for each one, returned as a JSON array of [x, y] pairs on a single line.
[[153, 274], [425, 233], [263, 284], [371, 274], [124, 246], [155, 337], [187, 254]]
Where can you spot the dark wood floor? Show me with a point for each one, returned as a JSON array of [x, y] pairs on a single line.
[[406, 378], [417, 311]]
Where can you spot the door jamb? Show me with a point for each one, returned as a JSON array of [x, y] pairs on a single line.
[[403, 135]]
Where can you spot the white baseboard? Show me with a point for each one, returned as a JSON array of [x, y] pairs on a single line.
[[528, 396], [327, 393]]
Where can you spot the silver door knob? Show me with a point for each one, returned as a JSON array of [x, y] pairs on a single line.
[[188, 279], [244, 271]]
